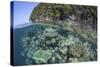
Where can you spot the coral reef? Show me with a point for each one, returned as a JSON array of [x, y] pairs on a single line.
[[48, 44], [42, 56]]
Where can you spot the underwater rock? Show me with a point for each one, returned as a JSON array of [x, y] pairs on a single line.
[[49, 32], [82, 51], [73, 60], [64, 50], [76, 49]]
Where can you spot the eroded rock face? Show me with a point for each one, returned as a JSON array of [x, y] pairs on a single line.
[[47, 44]]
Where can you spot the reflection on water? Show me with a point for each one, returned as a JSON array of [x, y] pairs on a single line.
[[47, 44]]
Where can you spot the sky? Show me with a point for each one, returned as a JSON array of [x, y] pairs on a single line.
[[22, 12]]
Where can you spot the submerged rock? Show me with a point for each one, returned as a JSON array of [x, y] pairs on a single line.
[[64, 50], [50, 32]]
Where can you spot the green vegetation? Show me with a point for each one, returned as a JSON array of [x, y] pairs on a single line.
[[85, 15]]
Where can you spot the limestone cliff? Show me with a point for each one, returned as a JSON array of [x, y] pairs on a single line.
[[49, 12]]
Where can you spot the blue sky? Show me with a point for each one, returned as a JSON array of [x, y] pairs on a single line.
[[22, 11]]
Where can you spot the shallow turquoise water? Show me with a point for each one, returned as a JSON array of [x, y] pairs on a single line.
[[25, 46]]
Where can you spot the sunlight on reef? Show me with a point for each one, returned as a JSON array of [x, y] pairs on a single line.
[[44, 43]]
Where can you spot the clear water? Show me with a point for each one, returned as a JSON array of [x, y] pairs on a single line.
[[22, 30]]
